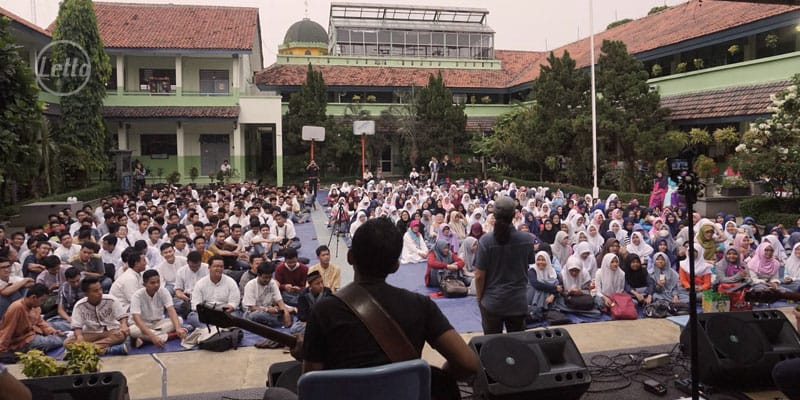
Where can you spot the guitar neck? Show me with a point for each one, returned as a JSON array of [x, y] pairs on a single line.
[[264, 331]]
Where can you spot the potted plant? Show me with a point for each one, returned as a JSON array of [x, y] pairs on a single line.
[[704, 165], [174, 177], [734, 52], [193, 174], [486, 99], [734, 186], [681, 67], [81, 358], [771, 42], [356, 98], [698, 63], [734, 49], [656, 70], [371, 99]]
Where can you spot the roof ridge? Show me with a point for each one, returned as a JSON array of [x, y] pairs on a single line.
[[171, 5]]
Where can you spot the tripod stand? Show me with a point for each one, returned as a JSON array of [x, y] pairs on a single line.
[[338, 223]]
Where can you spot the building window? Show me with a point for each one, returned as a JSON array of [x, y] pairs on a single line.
[[111, 83], [214, 81], [164, 77], [158, 145]]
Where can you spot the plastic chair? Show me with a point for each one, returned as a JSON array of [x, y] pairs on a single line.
[[407, 380]]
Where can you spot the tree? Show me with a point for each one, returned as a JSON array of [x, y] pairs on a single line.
[[20, 112], [441, 125], [771, 148], [562, 124], [630, 117], [403, 119], [82, 130], [618, 23], [508, 143], [306, 107]]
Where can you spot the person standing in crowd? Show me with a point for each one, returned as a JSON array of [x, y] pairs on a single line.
[[501, 275], [313, 179], [433, 166]]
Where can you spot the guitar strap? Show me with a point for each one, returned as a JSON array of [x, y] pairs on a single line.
[[390, 337]]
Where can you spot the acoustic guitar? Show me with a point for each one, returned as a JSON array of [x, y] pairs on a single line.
[[443, 386]]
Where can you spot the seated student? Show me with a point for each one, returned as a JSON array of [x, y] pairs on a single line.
[[130, 281], [544, 284], [100, 319], [314, 292], [262, 300], [730, 270], [32, 264], [414, 248], [53, 275], [264, 243], [181, 244], [185, 280], [89, 265], [215, 290], [147, 312], [111, 254], [442, 261], [285, 234], [66, 249], [609, 279], [199, 243], [68, 294], [791, 278], [764, 267], [252, 273], [12, 288], [23, 328], [168, 269], [666, 281], [235, 242], [291, 276], [637, 280], [228, 253], [702, 272], [331, 274], [574, 278]]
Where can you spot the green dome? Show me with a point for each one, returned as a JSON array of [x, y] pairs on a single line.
[[306, 31]]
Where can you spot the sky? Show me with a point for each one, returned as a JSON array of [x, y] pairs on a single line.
[[534, 25]]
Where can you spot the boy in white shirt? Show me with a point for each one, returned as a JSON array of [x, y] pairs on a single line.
[[147, 312], [262, 300]]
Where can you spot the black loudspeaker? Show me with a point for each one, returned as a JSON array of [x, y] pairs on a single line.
[[539, 364], [97, 386], [739, 349]]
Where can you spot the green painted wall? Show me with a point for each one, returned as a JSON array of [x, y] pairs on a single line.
[[375, 109], [757, 71]]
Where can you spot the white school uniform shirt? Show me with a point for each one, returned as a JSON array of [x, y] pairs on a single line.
[[169, 272], [125, 286], [66, 253], [97, 319], [150, 309], [261, 296], [186, 279], [224, 292]]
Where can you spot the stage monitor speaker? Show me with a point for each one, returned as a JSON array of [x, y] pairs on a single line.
[[739, 349], [538, 364], [96, 386]]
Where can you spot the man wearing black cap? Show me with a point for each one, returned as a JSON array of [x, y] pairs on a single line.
[[311, 294], [501, 276]]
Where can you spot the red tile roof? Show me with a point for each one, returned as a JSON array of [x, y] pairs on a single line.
[[750, 100], [514, 64], [134, 112], [22, 21], [676, 24], [170, 26]]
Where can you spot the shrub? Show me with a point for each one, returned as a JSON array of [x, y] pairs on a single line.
[[771, 210]]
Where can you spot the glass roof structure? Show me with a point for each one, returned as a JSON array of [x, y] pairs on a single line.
[[374, 30]]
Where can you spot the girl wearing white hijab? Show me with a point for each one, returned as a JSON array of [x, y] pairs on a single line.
[[638, 246], [560, 247], [584, 254], [595, 239], [544, 283], [609, 279], [580, 281], [361, 218], [666, 281], [702, 273], [791, 279], [467, 252], [619, 233]]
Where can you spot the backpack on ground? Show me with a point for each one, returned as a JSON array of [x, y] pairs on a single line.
[[223, 340]]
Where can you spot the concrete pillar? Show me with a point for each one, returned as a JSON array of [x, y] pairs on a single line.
[[237, 150], [179, 75], [278, 152], [120, 74], [236, 75], [179, 138], [122, 136]]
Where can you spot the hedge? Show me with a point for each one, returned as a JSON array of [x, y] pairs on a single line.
[[767, 210], [91, 193]]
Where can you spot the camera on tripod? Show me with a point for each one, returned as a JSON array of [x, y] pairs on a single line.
[[681, 166]]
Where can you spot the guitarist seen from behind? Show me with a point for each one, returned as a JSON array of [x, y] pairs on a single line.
[[336, 338]]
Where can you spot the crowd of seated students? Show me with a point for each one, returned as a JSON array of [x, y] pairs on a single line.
[[621, 247], [133, 269]]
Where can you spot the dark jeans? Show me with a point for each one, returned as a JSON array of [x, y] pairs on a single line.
[[494, 323]]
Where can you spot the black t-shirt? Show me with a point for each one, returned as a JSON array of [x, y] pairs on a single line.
[[338, 339]]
